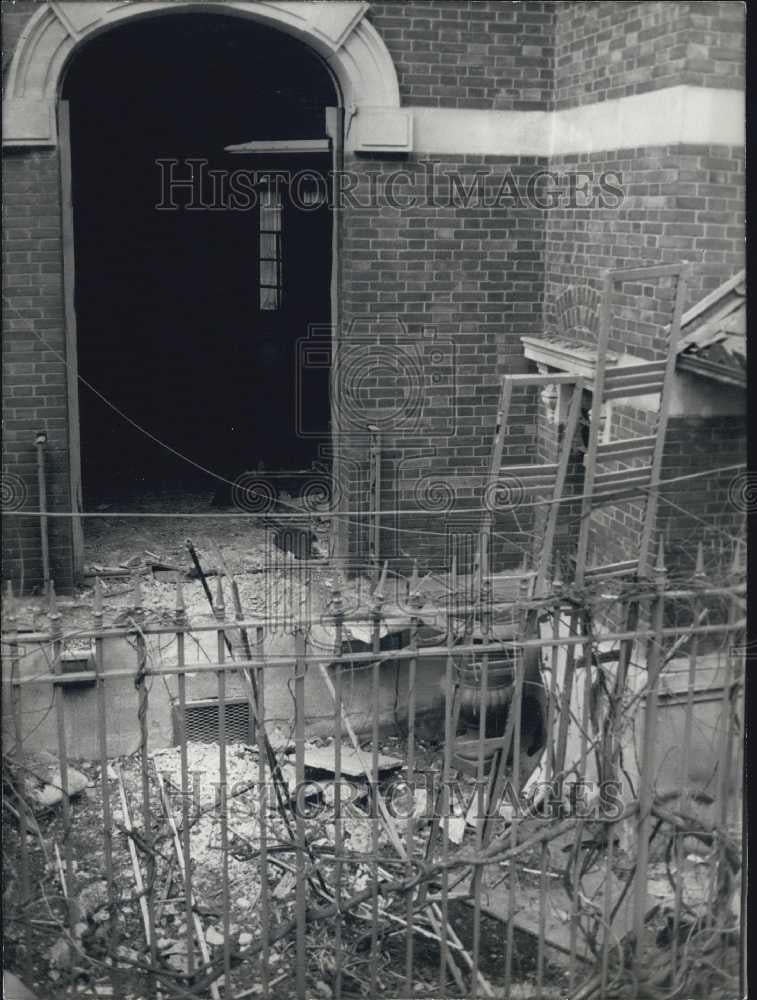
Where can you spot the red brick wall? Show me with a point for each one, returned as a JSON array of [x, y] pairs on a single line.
[[709, 508], [679, 203], [606, 50], [705, 508], [34, 378], [470, 53], [454, 286]]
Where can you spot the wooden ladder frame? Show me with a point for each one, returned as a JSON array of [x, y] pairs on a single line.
[[534, 472], [599, 488], [618, 383], [533, 476]]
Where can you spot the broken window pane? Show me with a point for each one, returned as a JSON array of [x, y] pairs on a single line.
[[269, 297]]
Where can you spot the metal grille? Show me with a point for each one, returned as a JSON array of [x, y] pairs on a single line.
[[201, 722]]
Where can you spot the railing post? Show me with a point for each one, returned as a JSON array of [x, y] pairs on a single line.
[[655, 663], [449, 739], [587, 653], [299, 744], [142, 712], [736, 607], [56, 634], [265, 776], [219, 611], [688, 728], [519, 667], [376, 614], [337, 612], [102, 739], [180, 621], [415, 601], [482, 804], [566, 697], [730, 681], [18, 716], [548, 777]]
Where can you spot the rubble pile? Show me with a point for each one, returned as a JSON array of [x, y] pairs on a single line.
[[81, 958]]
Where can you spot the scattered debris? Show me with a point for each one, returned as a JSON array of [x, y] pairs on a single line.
[[322, 758], [60, 955], [214, 937], [457, 825], [285, 886], [44, 783], [93, 898]]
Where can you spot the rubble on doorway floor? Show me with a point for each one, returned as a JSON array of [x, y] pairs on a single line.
[[124, 550]]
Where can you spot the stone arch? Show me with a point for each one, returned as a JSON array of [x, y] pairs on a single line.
[[339, 31]]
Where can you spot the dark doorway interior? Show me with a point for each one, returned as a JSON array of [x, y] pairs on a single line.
[[178, 327]]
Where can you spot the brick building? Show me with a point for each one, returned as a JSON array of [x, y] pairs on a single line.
[[492, 159]]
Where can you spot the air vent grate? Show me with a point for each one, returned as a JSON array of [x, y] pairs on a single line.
[[201, 722]]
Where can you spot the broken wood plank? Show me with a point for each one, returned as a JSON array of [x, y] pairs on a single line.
[[434, 914], [121, 571], [61, 873], [133, 854], [199, 933], [135, 866], [324, 759]]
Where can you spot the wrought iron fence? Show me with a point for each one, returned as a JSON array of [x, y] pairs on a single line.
[[564, 845]]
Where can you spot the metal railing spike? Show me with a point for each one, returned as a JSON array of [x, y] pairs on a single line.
[[699, 569], [219, 605], [660, 568]]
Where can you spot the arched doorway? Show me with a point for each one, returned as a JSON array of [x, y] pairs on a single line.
[[57, 34], [199, 272]]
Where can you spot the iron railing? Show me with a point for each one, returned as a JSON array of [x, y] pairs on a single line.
[[390, 883]]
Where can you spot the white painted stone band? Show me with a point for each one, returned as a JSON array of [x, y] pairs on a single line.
[[367, 78], [704, 116], [694, 115]]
